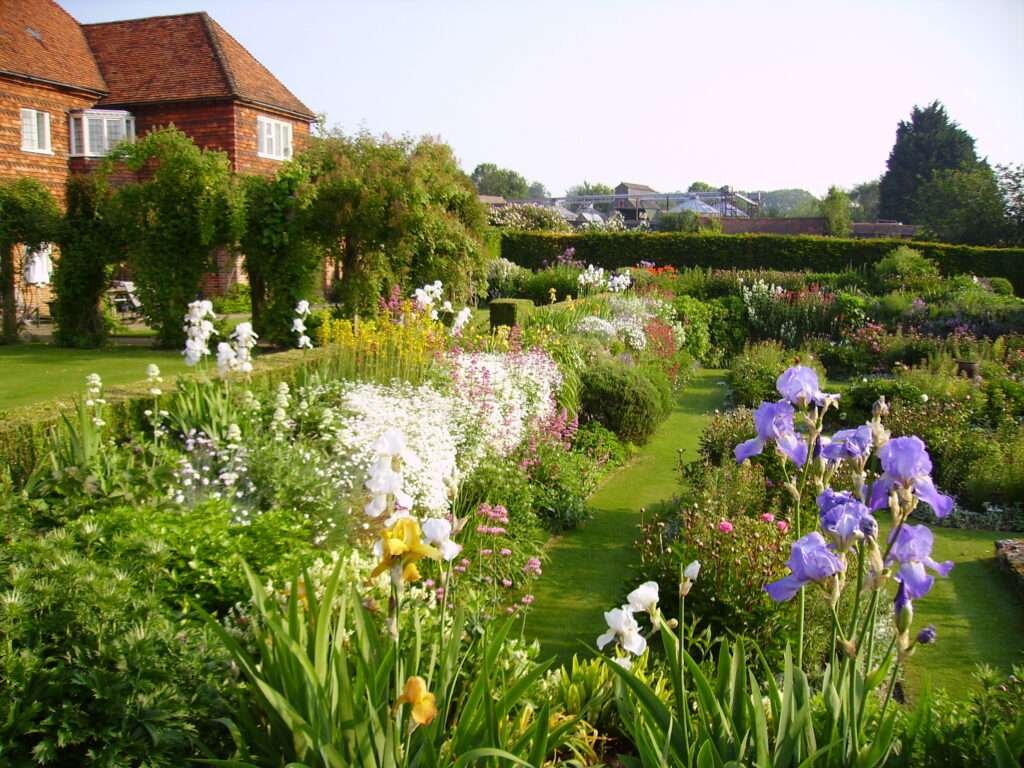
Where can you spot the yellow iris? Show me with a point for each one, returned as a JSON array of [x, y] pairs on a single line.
[[403, 543], [422, 701]]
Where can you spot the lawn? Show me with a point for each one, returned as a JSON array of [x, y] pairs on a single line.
[[590, 570], [979, 617], [31, 373]]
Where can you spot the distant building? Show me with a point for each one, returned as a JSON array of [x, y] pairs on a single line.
[[629, 200], [492, 201]]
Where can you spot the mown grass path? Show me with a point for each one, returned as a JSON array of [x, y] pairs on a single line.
[[590, 570]]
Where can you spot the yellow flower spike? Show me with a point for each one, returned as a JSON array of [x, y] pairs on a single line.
[[422, 701]]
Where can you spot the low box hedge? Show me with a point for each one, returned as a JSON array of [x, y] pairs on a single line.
[[510, 312], [613, 250], [24, 431]]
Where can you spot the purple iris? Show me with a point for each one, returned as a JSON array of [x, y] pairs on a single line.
[[907, 465], [810, 560], [912, 549], [849, 444], [774, 423], [927, 635], [829, 498], [798, 385], [844, 523]]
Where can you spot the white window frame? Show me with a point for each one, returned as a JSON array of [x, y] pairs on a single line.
[[107, 116], [273, 138], [30, 142]]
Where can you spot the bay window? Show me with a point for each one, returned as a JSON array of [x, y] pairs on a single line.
[[94, 132]]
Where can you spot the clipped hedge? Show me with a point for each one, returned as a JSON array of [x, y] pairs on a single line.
[[510, 312], [24, 431], [613, 250]]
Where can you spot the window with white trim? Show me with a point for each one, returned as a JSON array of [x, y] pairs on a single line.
[[35, 131], [94, 132], [273, 138]]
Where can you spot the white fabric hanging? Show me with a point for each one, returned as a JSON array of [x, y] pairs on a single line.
[[38, 266]]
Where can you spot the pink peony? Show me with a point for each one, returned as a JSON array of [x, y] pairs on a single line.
[[768, 517], [725, 526], [783, 526]]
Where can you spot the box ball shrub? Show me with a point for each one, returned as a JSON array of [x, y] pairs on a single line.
[[511, 312], [621, 399]]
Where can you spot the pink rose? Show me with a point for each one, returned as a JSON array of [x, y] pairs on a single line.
[[725, 526], [768, 517], [783, 526]]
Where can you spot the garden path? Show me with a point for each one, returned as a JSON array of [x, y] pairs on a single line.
[[590, 570]]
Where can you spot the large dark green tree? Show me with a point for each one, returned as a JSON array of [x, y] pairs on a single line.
[[1011, 185], [929, 142], [492, 180], [28, 216]]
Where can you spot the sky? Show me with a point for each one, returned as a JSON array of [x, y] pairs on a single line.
[[757, 95]]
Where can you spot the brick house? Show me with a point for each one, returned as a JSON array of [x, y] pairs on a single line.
[[69, 92]]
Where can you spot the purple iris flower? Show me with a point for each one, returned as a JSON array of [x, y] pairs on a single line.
[[927, 635], [829, 498], [774, 423], [810, 560], [912, 549], [849, 444], [844, 523], [798, 385], [907, 464]]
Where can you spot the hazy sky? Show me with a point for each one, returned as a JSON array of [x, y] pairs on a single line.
[[757, 95]]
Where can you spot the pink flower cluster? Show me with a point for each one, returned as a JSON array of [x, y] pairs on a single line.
[[532, 567], [496, 514]]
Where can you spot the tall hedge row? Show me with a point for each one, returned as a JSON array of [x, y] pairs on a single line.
[[612, 250]]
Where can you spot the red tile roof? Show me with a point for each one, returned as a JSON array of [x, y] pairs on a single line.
[[40, 40], [179, 58]]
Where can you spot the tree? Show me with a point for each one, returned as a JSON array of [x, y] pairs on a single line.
[[1011, 185], [588, 188], [86, 243], [537, 190], [864, 200], [492, 180], [701, 186], [281, 249], [836, 210], [29, 216], [185, 207], [395, 213], [961, 205], [929, 142]]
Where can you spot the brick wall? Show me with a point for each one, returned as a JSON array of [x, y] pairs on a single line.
[[246, 158], [210, 124], [51, 170]]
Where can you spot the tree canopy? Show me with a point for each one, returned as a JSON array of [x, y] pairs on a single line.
[[492, 180], [962, 205], [929, 142], [836, 210]]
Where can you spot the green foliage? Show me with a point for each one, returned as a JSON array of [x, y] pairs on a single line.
[[962, 205], [28, 215], [836, 210], [1011, 185], [236, 300], [622, 399], [753, 373], [510, 312], [505, 279], [562, 279], [906, 269], [395, 212], [281, 251], [96, 669], [927, 143], [183, 209], [600, 444], [614, 250], [864, 201], [562, 480], [504, 182], [695, 316], [81, 273]]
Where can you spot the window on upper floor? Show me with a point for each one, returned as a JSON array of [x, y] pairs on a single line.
[[273, 138], [94, 132], [35, 131]]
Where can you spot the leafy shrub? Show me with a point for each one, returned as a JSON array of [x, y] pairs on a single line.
[[600, 444], [562, 481], [236, 300], [505, 279], [695, 316], [510, 312], [905, 268], [561, 279], [722, 433], [1000, 286], [622, 399], [753, 373], [96, 669]]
